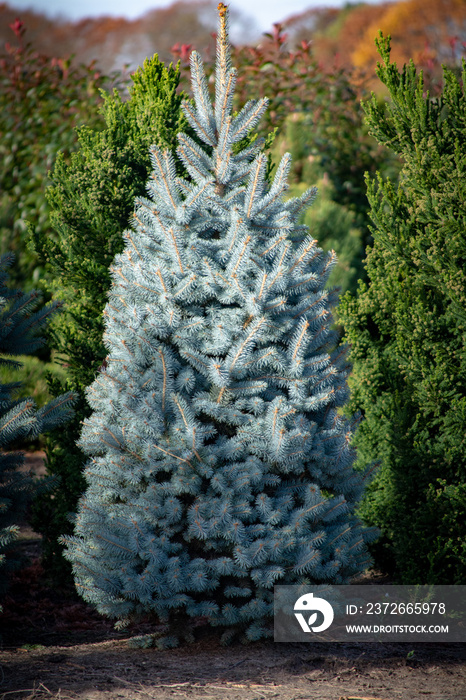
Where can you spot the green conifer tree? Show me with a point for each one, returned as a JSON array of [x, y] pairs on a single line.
[[219, 463], [91, 201], [407, 328], [20, 418]]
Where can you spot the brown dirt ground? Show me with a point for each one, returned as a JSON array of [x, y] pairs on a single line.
[[55, 647]]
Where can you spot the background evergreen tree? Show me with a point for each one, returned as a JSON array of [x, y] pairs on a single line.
[[329, 144], [407, 327], [91, 200], [19, 418], [219, 464]]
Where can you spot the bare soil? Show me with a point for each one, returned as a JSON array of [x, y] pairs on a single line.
[[55, 646]]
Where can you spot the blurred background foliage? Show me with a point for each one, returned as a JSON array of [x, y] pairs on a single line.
[[431, 32], [315, 68], [42, 100]]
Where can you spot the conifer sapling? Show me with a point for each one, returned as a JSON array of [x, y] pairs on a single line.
[[219, 464], [20, 418]]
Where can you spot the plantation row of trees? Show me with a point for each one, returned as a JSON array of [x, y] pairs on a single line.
[[403, 315]]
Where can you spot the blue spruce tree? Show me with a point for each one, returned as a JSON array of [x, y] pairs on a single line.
[[219, 463], [20, 418]]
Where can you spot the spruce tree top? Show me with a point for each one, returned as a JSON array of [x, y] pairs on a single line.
[[219, 463]]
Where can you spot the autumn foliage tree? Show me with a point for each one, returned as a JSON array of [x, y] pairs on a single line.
[[427, 31], [335, 33]]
